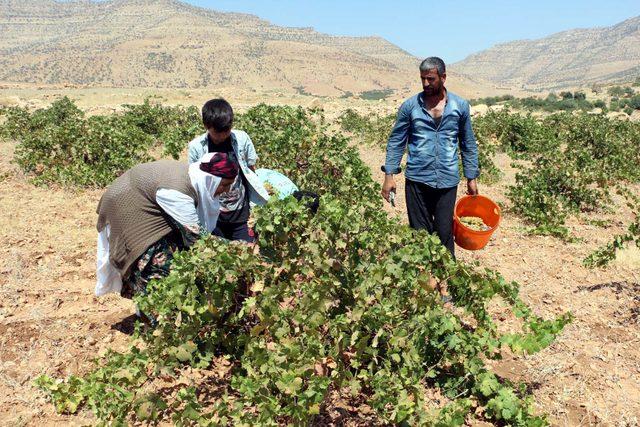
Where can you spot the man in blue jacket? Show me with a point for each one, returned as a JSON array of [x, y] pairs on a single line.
[[434, 126]]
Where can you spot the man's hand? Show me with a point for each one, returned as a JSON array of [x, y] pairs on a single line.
[[472, 187], [388, 186]]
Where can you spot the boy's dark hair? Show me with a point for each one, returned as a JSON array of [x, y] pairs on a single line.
[[217, 114]]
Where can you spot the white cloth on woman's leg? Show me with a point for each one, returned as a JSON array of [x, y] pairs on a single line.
[[108, 277]]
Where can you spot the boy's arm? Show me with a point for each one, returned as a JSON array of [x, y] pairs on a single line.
[[250, 154]]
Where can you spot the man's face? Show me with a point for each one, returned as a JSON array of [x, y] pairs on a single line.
[[432, 83], [218, 137]]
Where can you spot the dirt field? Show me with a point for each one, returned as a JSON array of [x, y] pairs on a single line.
[[50, 322]]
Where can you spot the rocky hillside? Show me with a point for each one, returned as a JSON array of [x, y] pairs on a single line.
[[570, 58], [169, 44]]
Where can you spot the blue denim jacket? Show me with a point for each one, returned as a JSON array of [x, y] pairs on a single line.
[[433, 150]]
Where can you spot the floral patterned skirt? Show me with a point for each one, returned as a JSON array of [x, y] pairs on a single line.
[[155, 262]]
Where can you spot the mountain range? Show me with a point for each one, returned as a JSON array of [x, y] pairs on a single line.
[[573, 58], [171, 44]]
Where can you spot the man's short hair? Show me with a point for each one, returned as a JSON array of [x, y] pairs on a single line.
[[434, 62], [217, 114]]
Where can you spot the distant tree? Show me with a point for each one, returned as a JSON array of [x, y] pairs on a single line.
[[579, 96], [566, 95], [615, 91], [376, 94], [567, 104], [599, 104], [634, 102], [552, 97], [621, 92]]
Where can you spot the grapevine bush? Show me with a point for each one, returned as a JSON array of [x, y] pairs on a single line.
[[172, 126], [373, 130], [60, 145], [604, 255], [570, 163], [335, 303], [294, 141], [516, 134]]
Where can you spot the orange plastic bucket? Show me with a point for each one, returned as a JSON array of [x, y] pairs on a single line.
[[478, 206]]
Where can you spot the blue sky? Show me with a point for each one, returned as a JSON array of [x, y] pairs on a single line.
[[451, 30]]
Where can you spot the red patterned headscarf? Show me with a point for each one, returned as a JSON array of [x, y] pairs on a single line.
[[221, 165]]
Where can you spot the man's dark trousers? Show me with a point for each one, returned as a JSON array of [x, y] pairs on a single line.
[[431, 209]]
